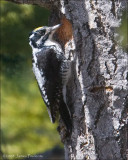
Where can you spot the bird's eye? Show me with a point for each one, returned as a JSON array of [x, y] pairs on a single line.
[[42, 32]]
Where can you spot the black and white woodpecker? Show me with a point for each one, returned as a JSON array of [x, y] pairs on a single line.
[[52, 71]]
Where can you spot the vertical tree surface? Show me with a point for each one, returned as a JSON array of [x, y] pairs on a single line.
[[97, 90]]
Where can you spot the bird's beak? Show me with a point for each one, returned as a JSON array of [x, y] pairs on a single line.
[[54, 28]]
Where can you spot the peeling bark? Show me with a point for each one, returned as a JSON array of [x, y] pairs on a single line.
[[98, 84]]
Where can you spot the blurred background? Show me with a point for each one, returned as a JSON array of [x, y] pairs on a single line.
[[25, 124]]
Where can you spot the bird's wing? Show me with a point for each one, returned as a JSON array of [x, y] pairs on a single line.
[[46, 67]]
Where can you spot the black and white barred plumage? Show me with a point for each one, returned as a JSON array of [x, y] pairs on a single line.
[[52, 71]]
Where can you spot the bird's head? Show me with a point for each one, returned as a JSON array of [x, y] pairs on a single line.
[[40, 35]]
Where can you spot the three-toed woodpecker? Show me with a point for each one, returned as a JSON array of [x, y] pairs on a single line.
[[52, 71]]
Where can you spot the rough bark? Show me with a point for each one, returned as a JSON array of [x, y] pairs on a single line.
[[98, 84]]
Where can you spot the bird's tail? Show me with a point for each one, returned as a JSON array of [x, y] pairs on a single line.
[[65, 115]]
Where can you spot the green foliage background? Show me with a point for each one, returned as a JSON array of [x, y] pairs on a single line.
[[123, 30], [25, 125]]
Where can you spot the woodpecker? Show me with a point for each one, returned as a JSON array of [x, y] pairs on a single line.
[[52, 72]]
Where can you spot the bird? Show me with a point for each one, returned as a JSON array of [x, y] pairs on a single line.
[[52, 71]]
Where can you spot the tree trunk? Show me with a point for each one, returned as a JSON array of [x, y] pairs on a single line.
[[97, 90]]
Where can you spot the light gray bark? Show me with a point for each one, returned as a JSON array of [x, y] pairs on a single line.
[[98, 84]]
